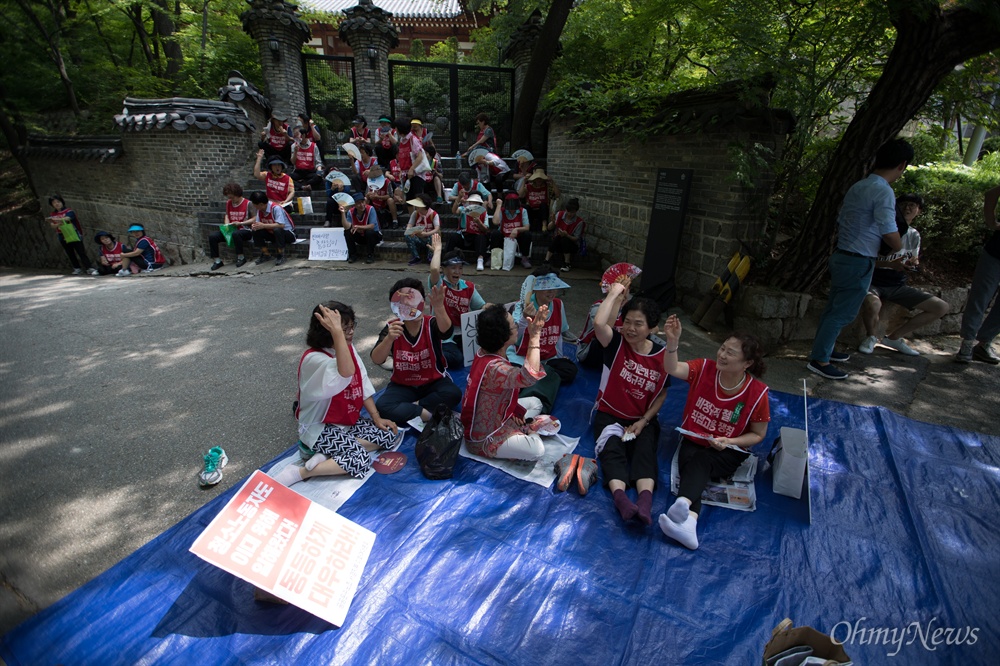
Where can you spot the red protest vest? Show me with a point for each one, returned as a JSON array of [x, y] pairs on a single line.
[[476, 373], [345, 407], [275, 138], [537, 195], [114, 255], [277, 188], [709, 412], [456, 301], [305, 158], [568, 228], [633, 381], [157, 255], [237, 213], [415, 364], [508, 224]]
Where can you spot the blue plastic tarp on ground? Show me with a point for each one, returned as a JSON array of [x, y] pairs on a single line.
[[484, 568]]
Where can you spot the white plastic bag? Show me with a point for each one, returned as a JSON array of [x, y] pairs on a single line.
[[496, 259], [305, 206], [509, 250]]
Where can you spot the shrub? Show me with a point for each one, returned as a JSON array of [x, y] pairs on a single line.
[[951, 225]]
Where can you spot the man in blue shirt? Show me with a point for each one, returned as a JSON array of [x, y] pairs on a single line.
[[867, 217]]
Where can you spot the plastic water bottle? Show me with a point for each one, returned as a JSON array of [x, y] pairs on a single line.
[[458, 158]]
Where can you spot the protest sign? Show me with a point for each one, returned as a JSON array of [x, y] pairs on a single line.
[[279, 541], [327, 244]]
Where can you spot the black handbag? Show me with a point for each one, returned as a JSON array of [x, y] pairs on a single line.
[[438, 445]]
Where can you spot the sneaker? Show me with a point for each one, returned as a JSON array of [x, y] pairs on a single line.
[[215, 460], [77, 271], [525, 263], [280, 260], [565, 269], [395, 224], [125, 273], [241, 261], [829, 371], [369, 259], [839, 357], [414, 261], [92, 271], [565, 468], [964, 354], [900, 346], [479, 264], [586, 474], [439, 200], [216, 265], [867, 345], [984, 354], [351, 258], [264, 258]]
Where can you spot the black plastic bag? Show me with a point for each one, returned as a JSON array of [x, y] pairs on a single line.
[[438, 445]]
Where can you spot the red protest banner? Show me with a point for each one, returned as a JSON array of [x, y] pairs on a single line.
[[272, 537]]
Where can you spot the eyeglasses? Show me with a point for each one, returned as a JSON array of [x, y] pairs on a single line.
[[348, 329]]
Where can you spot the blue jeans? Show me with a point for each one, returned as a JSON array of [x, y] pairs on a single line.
[[850, 278], [418, 246], [984, 285]]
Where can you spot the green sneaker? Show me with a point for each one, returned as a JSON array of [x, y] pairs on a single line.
[[215, 460]]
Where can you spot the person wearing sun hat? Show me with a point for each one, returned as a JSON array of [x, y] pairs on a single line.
[[386, 140], [543, 288], [538, 192], [460, 297], [418, 130], [360, 134], [109, 258], [423, 224], [473, 231], [275, 139], [379, 194], [278, 185], [146, 255]]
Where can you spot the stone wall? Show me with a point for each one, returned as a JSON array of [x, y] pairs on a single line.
[[162, 180], [615, 182]]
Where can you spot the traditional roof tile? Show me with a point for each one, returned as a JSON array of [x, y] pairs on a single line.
[[428, 9], [100, 148], [181, 114]]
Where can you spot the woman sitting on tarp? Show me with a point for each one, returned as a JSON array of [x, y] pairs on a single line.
[[726, 413], [542, 288], [633, 387], [333, 387], [492, 414]]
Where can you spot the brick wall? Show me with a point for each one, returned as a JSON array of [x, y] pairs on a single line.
[[162, 180], [615, 183]]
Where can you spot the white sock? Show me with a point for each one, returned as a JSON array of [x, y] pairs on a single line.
[[316, 459], [680, 510], [685, 533], [288, 476]]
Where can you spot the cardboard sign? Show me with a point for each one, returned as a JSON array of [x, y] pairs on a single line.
[[327, 244], [272, 537], [469, 345]]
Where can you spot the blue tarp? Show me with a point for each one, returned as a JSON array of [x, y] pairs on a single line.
[[484, 568]]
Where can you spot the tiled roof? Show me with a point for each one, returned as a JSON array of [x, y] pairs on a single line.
[[433, 9], [181, 113], [101, 148]]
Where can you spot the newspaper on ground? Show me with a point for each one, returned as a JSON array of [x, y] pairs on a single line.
[[541, 471], [737, 492]]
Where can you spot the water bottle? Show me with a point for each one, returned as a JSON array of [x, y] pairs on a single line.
[[458, 158]]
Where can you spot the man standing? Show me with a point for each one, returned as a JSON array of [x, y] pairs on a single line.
[[985, 283], [867, 217]]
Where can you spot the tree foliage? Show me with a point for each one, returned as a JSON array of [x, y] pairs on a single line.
[[110, 49]]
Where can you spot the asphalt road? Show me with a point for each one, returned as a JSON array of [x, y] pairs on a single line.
[[112, 389]]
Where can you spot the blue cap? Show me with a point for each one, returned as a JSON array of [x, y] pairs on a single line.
[[136, 227], [358, 197]]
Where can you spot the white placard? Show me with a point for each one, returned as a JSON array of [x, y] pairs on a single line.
[[469, 330], [327, 244]]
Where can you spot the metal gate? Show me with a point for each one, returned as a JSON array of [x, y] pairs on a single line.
[[331, 97], [447, 97]]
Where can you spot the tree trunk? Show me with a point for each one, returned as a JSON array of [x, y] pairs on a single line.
[[929, 44], [55, 51], [538, 68], [163, 28], [16, 135]]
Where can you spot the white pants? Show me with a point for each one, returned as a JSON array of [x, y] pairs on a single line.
[[521, 447]]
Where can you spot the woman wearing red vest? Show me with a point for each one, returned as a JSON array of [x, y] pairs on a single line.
[[109, 258], [511, 221], [727, 410], [279, 185], [633, 388], [460, 297], [492, 416], [537, 192], [419, 381], [64, 222], [567, 230], [333, 387]]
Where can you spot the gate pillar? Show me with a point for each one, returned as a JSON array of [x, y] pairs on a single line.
[[280, 33], [371, 34]]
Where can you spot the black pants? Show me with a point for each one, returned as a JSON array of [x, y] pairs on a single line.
[[280, 238], [479, 243], [538, 218], [564, 245], [699, 464], [369, 237], [384, 155], [628, 461], [310, 178], [523, 241], [270, 151], [397, 401], [76, 252], [558, 371], [240, 237]]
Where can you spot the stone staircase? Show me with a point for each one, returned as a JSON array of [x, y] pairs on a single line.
[[393, 247]]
